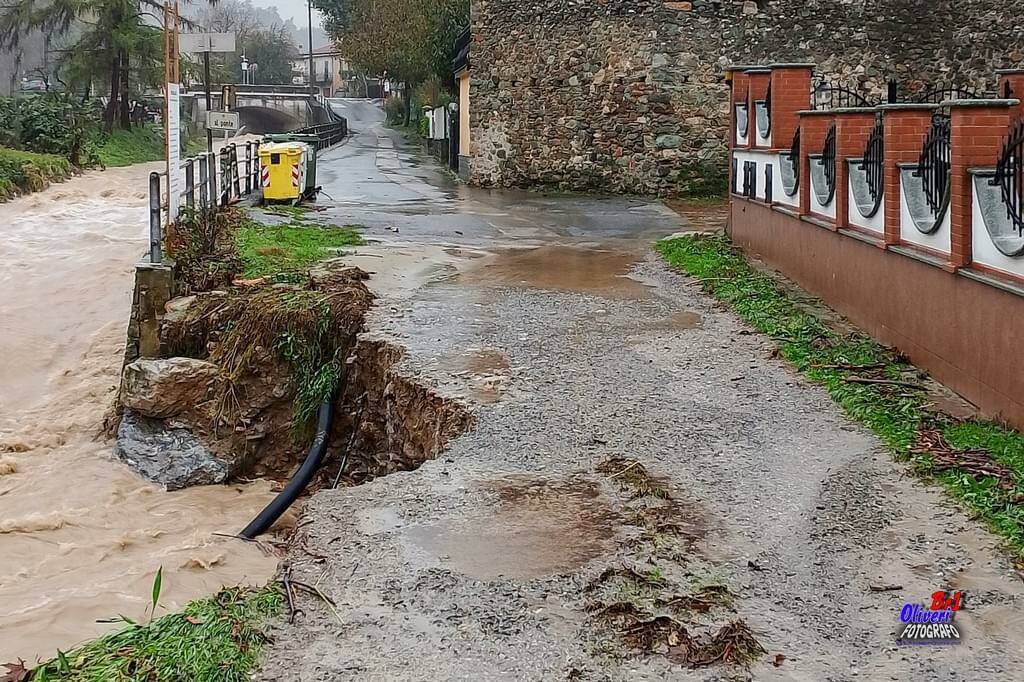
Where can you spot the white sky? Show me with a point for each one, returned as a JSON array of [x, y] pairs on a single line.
[[291, 9]]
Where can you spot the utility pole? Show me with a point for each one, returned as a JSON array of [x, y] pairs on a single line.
[[206, 85], [309, 16]]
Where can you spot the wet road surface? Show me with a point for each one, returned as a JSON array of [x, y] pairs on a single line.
[[574, 344]]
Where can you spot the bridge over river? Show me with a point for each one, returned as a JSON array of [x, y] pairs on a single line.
[[263, 108]]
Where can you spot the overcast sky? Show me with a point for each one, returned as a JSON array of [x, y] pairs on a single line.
[[291, 9]]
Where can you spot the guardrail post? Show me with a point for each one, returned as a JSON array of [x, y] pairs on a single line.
[[256, 183], [211, 176], [236, 183], [154, 218], [190, 190], [225, 184], [204, 185], [248, 168]]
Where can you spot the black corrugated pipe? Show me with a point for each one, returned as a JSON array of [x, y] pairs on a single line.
[[302, 477]]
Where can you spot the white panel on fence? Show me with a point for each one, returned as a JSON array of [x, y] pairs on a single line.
[[173, 151]]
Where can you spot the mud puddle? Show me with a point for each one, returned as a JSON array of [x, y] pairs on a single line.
[[483, 371], [561, 268], [80, 535], [538, 527]]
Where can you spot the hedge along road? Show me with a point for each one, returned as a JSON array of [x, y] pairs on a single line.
[[82, 536]]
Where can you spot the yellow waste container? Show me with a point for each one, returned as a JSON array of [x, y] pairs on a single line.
[[283, 170]]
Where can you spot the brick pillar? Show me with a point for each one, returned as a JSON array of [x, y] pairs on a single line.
[[853, 128], [906, 126], [791, 93], [1011, 84], [738, 95], [977, 131], [759, 79]]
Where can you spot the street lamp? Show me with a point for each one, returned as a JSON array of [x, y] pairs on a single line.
[[309, 18]]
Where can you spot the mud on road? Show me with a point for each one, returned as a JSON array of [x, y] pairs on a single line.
[[767, 525]]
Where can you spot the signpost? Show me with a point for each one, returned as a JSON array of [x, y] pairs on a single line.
[[207, 43], [222, 120]]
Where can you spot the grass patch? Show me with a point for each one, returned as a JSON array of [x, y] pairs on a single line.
[[22, 172], [217, 638], [892, 405], [268, 250], [125, 147]]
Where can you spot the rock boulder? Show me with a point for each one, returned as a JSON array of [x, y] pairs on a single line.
[[169, 455], [166, 387]]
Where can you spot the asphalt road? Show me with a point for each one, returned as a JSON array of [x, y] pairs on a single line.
[[573, 343]]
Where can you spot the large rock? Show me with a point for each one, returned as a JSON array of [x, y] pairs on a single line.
[[166, 387], [171, 456]]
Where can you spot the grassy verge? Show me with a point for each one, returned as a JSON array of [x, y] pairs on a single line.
[[980, 463], [23, 172], [125, 147], [218, 638], [268, 251]]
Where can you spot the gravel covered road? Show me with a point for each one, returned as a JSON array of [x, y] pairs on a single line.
[[585, 347]]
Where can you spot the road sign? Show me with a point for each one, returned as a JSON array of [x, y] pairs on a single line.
[[207, 42], [222, 120]]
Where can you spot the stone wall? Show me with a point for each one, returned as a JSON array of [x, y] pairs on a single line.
[[629, 95]]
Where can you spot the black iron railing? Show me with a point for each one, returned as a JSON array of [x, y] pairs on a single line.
[[750, 179], [1010, 175], [829, 95], [933, 164], [328, 133], [794, 159], [873, 164], [828, 161], [941, 94]]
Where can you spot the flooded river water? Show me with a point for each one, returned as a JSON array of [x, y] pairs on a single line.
[[81, 535]]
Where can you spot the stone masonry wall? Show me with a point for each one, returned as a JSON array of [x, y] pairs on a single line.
[[629, 95]]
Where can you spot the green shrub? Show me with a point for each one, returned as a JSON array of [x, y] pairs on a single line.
[[22, 171], [394, 108], [51, 124]]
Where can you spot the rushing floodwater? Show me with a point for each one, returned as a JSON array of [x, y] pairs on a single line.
[[81, 536]]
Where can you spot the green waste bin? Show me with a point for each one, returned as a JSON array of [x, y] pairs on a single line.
[[310, 140]]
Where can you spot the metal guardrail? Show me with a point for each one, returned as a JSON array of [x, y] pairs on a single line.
[[328, 133], [208, 185]]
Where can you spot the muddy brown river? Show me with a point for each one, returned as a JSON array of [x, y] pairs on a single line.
[[81, 535]]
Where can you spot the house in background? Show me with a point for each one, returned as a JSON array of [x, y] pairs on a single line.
[[331, 72], [460, 66]]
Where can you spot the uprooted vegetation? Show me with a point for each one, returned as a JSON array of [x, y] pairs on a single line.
[[277, 347], [664, 603], [980, 463]]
